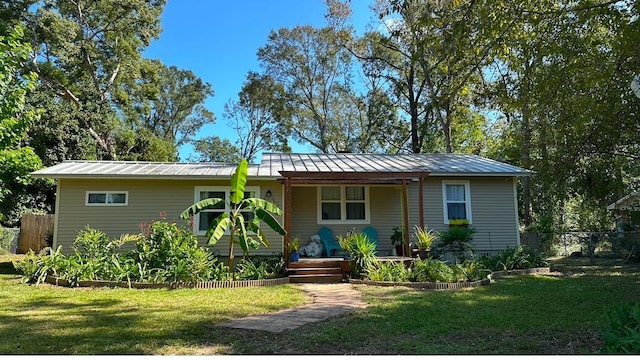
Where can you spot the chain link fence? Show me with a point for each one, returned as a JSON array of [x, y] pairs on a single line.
[[612, 244]]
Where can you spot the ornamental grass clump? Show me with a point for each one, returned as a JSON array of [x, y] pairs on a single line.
[[387, 271], [361, 251]]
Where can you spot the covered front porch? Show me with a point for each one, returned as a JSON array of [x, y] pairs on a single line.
[[342, 202]]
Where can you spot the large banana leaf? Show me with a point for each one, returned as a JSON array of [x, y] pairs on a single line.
[[254, 226], [217, 228], [270, 220], [242, 233], [263, 204], [238, 180], [205, 204]]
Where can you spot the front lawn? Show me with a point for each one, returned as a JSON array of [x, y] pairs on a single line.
[[514, 315]]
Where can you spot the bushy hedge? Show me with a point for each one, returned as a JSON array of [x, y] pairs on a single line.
[[434, 270], [165, 252]]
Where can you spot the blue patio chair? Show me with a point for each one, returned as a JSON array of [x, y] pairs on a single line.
[[372, 234], [329, 242]]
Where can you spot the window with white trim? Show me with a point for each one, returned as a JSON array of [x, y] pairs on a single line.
[[106, 198], [202, 220], [343, 204], [456, 199]]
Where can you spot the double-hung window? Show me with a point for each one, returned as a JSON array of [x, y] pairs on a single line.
[[456, 198], [343, 204], [202, 220], [107, 198]]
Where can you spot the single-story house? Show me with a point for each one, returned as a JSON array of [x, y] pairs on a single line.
[[626, 211], [343, 192]]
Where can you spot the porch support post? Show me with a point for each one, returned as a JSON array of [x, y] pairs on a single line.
[[421, 200], [287, 217], [405, 221]]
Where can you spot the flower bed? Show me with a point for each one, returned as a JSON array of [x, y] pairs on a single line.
[[452, 286], [174, 285]]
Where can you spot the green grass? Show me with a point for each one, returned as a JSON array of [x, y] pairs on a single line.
[[514, 315]]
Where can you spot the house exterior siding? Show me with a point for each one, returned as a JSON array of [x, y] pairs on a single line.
[[146, 200], [492, 207], [385, 204]]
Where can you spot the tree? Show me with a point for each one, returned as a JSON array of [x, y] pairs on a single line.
[[215, 149], [246, 232], [18, 190], [168, 102], [313, 67], [84, 51], [260, 116]]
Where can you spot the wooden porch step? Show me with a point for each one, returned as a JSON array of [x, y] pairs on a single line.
[[328, 263], [315, 271], [316, 278]]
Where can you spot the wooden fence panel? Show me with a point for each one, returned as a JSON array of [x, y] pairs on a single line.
[[34, 231]]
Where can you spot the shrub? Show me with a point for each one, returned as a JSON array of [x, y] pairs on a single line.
[[6, 238], [361, 251], [166, 253], [623, 334], [456, 240], [261, 267], [35, 267], [431, 270], [521, 257], [170, 253], [387, 271]]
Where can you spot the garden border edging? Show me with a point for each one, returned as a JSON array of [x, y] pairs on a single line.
[[453, 286], [174, 285]]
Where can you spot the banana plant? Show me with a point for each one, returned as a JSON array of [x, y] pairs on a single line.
[[247, 234]]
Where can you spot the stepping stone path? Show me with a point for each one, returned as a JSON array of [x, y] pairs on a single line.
[[328, 300]]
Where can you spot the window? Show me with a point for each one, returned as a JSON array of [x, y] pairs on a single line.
[[107, 198], [456, 198], [343, 204], [202, 220]]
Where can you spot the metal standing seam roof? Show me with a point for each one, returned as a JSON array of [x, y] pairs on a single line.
[[273, 163]]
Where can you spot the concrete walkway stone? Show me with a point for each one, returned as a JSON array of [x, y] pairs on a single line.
[[328, 300]]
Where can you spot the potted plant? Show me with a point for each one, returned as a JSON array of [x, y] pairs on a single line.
[[397, 240], [424, 238], [294, 248]]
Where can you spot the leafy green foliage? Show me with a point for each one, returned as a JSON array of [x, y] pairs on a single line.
[[247, 234], [361, 251], [424, 237], [165, 253], [387, 271], [521, 257], [456, 240], [18, 190], [623, 333], [261, 267], [6, 239]]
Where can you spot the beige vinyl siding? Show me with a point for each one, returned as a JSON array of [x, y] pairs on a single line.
[[492, 207], [384, 206], [147, 199]]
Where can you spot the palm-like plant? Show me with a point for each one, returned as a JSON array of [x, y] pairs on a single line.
[[247, 234]]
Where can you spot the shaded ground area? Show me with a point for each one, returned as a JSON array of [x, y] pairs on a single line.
[[562, 314]]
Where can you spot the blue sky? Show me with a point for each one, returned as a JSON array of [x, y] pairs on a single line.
[[218, 41]]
